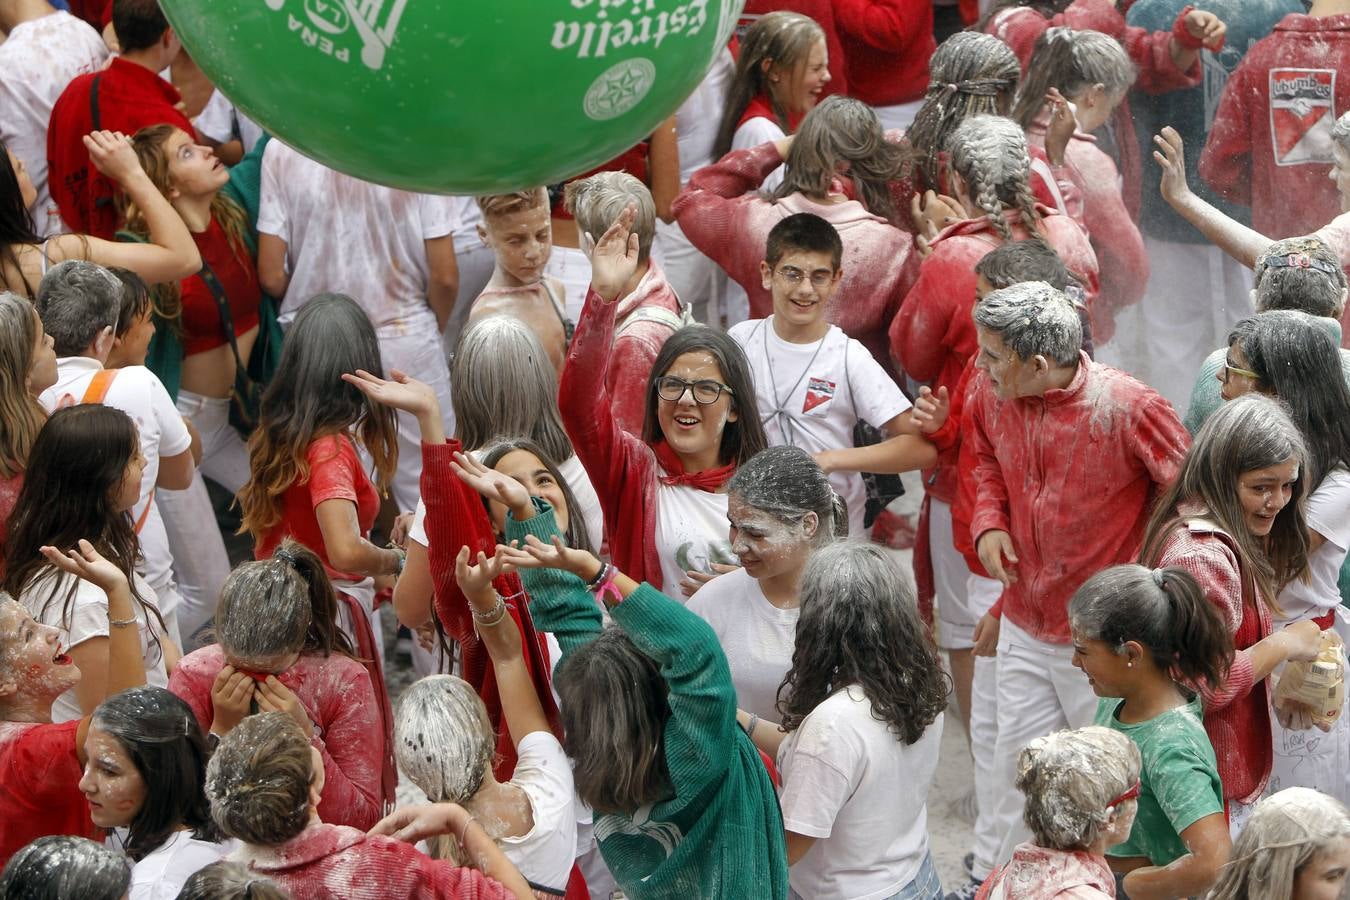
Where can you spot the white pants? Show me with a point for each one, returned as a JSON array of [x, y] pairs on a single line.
[[570, 266], [414, 347], [956, 618], [900, 116], [200, 561], [983, 593], [1313, 758], [364, 593], [697, 280], [1039, 691], [1196, 294], [475, 271]]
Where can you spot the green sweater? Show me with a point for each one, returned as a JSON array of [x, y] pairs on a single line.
[[721, 833]]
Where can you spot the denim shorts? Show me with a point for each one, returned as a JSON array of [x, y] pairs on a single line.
[[924, 886]]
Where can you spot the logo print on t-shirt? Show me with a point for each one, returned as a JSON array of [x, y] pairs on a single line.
[[1302, 111], [818, 393]]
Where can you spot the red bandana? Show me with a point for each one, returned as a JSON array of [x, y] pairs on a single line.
[[710, 480], [760, 107]]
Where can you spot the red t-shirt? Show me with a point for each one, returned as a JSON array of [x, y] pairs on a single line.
[[39, 785], [130, 97], [202, 329], [335, 473]]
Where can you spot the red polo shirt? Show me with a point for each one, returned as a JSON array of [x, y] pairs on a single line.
[[130, 97]]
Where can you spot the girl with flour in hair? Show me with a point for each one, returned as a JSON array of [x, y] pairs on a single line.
[[1296, 846], [280, 648], [861, 713], [1137, 633], [781, 509]]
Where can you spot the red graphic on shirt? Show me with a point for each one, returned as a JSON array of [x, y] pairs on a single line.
[[818, 392], [1302, 112]]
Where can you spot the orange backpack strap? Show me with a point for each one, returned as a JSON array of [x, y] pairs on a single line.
[[145, 513], [98, 386]]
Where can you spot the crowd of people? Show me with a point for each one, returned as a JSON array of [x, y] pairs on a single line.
[[620, 459]]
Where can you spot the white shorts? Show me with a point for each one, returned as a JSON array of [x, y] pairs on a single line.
[[956, 616]]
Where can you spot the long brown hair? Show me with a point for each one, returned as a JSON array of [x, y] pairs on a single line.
[[783, 39], [308, 400], [149, 146], [1250, 433], [21, 416]]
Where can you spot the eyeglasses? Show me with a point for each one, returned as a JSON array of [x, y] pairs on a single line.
[[1228, 370], [1131, 794], [793, 276], [705, 390]]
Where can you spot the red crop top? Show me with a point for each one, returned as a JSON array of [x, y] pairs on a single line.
[[202, 330]]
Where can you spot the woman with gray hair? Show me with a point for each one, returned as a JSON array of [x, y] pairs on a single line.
[[1077, 785], [1296, 846], [1234, 520], [861, 715], [782, 509]]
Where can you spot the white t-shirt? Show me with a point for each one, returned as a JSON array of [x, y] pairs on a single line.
[[573, 472], [162, 874], [88, 619], [811, 396], [753, 133], [467, 218], [849, 782], [700, 115], [1328, 514], [691, 534], [353, 237], [546, 853], [37, 61], [221, 122], [139, 393], [756, 636]]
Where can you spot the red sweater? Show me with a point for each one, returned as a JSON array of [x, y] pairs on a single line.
[[1071, 476], [333, 862], [1115, 237], [639, 337], [336, 693], [456, 518], [1237, 714], [1283, 98], [1019, 27], [130, 97], [933, 334], [887, 45], [40, 774], [724, 217], [823, 12]]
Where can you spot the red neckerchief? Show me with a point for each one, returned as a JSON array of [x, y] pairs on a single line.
[[710, 480], [759, 107]]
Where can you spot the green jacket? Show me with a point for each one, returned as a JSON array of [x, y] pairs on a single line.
[[721, 833]]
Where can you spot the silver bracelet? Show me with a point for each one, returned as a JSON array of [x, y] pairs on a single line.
[[492, 616], [750, 726], [123, 623]]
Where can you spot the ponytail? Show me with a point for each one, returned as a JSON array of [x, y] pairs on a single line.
[[1164, 611], [323, 635], [839, 511]]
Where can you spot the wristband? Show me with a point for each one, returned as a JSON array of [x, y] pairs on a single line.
[[1184, 38], [464, 832], [750, 726], [599, 577], [123, 623], [607, 587]]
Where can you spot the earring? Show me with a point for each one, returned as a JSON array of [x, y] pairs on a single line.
[[1129, 664]]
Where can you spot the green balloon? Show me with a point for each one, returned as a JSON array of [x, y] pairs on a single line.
[[456, 96]]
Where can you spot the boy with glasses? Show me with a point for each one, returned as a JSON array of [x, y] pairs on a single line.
[[813, 383]]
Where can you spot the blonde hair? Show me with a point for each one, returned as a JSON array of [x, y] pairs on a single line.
[[782, 38], [494, 206], [1285, 833], [21, 416]]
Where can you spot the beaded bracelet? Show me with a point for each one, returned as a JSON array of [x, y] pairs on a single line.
[[492, 616], [607, 588], [599, 577]]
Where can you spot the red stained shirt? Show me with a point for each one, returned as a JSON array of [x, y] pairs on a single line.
[[1071, 476], [1270, 146], [1019, 27], [331, 862], [335, 473], [238, 276], [1237, 714], [40, 773], [1040, 873], [336, 693], [724, 217], [130, 97], [887, 44], [933, 335]]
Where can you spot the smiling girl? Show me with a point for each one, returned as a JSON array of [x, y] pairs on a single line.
[[1233, 519], [664, 497]]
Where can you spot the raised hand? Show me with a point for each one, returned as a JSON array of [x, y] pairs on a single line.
[[1171, 158], [493, 485], [1207, 28], [112, 154], [398, 391], [415, 823], [475, 578], [535, 554], [931, 410], [85, 562], [615, 257]]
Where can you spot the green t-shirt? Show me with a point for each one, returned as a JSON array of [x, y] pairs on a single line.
[[1178, 784]]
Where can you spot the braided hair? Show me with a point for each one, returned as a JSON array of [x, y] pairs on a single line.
[[990, 154]]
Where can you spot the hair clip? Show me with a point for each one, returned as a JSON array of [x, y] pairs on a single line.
[[1298, 261]]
